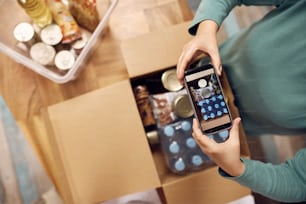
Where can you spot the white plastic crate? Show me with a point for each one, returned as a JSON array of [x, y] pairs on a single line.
[[12, 14]]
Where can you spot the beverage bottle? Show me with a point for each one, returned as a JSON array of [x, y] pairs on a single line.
[[38, 11]]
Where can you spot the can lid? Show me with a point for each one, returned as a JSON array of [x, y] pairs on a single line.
[[23, 32], [153, 137], [182, 106], [170, 80], [42, 53], [51, 34], [80, 43], [64, 60]]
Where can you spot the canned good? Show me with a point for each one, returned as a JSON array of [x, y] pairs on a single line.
[[153, 137], [78, 45], [24, 32], [42, 53], [170, 80], [64, 60], [182, 106], [51, 34]]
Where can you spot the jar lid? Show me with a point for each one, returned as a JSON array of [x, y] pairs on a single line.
[[170, 80], [182, 106], [42, 53], [51, 34], [64, 60], [23, 32]]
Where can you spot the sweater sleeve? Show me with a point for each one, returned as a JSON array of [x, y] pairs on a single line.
[[217, 10], [285, 182]]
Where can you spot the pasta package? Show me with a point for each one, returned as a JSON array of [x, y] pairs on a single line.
[[62, 16], [85, 12]]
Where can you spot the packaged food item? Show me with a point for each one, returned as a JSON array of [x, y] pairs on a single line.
[[51, 34], [42, 53], [64, 60], [62, 16], [181, 152], [162, 104], [25, 34], [144, 106], [85, 12], [170, 81], [182, 106], [37, 11]]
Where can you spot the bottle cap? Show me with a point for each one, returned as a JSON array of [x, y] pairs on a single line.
[[170, 81], [180, 165], [42, 53], [24, 32], [197, 160], [182, 106], [64, 60], [191, 143], [51, 34], [174, 147]]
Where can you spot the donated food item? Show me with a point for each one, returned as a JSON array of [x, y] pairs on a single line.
[[85, 12], [37, 11], [62, 16]]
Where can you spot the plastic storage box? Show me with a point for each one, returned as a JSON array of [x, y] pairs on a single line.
[[12, 14]]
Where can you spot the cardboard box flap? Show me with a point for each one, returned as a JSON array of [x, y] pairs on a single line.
[[156, 50], [103, 144], [204, 187]]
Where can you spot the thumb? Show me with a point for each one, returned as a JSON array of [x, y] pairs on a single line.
[[234, 132], [216, 61]]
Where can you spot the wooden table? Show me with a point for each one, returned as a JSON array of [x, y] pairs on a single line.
[[28, 94]]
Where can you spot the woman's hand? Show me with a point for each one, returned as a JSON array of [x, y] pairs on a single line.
[[227, 154], [205, 42]]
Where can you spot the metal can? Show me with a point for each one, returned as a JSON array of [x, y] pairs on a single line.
[[182, 106], [51, 34], [42, 53], [24, 33], [64, 60], [153, 137], [78, 45], [170, 80]]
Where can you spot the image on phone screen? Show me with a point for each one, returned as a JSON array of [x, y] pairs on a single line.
[[208, 100]]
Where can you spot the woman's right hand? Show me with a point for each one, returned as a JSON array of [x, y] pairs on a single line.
[[204, 42]]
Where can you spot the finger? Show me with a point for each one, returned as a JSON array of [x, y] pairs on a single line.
[[216, 61], [198, 135], [235, 129]]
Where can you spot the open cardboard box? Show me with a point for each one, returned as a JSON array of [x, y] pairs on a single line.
[[101, 142]]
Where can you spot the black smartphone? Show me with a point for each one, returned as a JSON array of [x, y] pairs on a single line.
[[206, 95]]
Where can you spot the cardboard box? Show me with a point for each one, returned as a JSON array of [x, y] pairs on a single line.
[[103, 146]]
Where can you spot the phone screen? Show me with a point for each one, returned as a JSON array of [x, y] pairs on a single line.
[[207, 99]]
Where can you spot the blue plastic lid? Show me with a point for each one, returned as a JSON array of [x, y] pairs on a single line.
[[197, 160], [223, 134], [174, 147], [169, 131], [186, 126], [190, 142], [179, 165]]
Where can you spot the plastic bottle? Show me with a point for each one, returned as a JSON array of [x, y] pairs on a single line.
[[37, 11]]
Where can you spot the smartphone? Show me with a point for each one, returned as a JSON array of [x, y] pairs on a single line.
[[206, 96]]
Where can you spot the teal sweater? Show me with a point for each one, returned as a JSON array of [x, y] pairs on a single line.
[[266, 64], [266, 67]]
